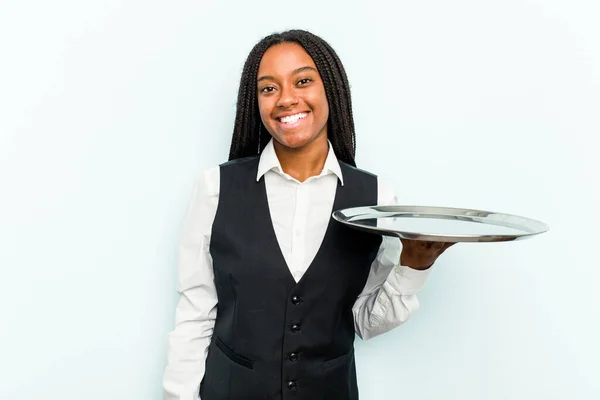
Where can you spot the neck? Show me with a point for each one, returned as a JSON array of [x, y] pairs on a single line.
[[304, 162]]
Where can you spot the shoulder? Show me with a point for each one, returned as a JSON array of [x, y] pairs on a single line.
[[241, 162], [355, 170], [386, 195], [237, 171], [209, 180]]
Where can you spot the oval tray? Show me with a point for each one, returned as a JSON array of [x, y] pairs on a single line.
[[440, 224]]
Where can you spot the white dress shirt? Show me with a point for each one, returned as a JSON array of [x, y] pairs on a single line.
[[300, 212]]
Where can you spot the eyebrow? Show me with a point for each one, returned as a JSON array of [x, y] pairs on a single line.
[[296, 71]]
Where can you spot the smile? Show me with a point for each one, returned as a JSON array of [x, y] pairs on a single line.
[[292, 119]]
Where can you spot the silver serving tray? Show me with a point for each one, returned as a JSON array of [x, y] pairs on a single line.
[[440, 224]]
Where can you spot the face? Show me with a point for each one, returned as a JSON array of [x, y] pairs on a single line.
[[291, 96]]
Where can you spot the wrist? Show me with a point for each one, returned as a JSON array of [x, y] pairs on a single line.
[[415, 264], [418, 267]]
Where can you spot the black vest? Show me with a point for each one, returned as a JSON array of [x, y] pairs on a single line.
[[275, 338]]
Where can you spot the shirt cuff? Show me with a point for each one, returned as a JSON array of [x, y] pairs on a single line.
[[406, 280]]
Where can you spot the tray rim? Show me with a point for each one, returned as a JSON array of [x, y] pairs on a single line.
[[338, 215]]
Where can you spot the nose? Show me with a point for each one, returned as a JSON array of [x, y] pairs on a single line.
[[288, 97]]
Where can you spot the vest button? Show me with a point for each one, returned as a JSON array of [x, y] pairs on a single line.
[[293, 357], [296, 300], [292, 385], [295, 328]]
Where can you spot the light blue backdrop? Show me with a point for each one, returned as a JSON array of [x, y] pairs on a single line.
[[110, 109]]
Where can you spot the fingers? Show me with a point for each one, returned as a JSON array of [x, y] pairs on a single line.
[[421, 244], [442, 246], [435, 246], [429, 245], [421, 253], [447, 245]]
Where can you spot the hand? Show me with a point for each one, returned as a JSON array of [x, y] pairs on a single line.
[[420, 254]]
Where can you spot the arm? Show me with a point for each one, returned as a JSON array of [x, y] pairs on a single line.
[[390, 294], [389, 297], [197, 308]]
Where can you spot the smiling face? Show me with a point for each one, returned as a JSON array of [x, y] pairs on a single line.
[[291, 96]]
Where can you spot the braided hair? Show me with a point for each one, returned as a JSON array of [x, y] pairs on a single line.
[[249, 134]]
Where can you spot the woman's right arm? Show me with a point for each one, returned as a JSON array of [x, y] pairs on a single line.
[[197, 308]]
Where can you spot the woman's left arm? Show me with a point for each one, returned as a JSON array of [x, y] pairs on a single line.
[[389, 297]]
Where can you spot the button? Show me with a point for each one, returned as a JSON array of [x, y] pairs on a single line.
[[295, 328], [293, 357], [292, 385], [296, 300], [298, 233]]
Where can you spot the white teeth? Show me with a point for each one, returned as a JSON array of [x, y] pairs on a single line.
[[290, 119]]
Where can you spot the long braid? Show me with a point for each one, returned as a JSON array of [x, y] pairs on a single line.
[[250, 136]]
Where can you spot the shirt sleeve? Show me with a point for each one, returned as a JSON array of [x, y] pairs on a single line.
[[197, 307], [389, 297]]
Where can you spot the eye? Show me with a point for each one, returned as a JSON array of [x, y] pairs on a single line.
[[304, 81], [267, 89]]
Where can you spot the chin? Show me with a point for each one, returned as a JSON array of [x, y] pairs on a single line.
[[293, 141]]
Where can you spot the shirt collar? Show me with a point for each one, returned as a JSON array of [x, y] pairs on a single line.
[[269, 162]]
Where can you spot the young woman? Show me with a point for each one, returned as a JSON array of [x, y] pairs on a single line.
[[272, 289]]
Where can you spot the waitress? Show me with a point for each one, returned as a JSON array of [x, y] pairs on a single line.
[[272, 289]]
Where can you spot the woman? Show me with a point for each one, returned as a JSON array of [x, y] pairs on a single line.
[[291, 286]]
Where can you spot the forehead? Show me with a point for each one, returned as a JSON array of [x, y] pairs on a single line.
[[283, 59]]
